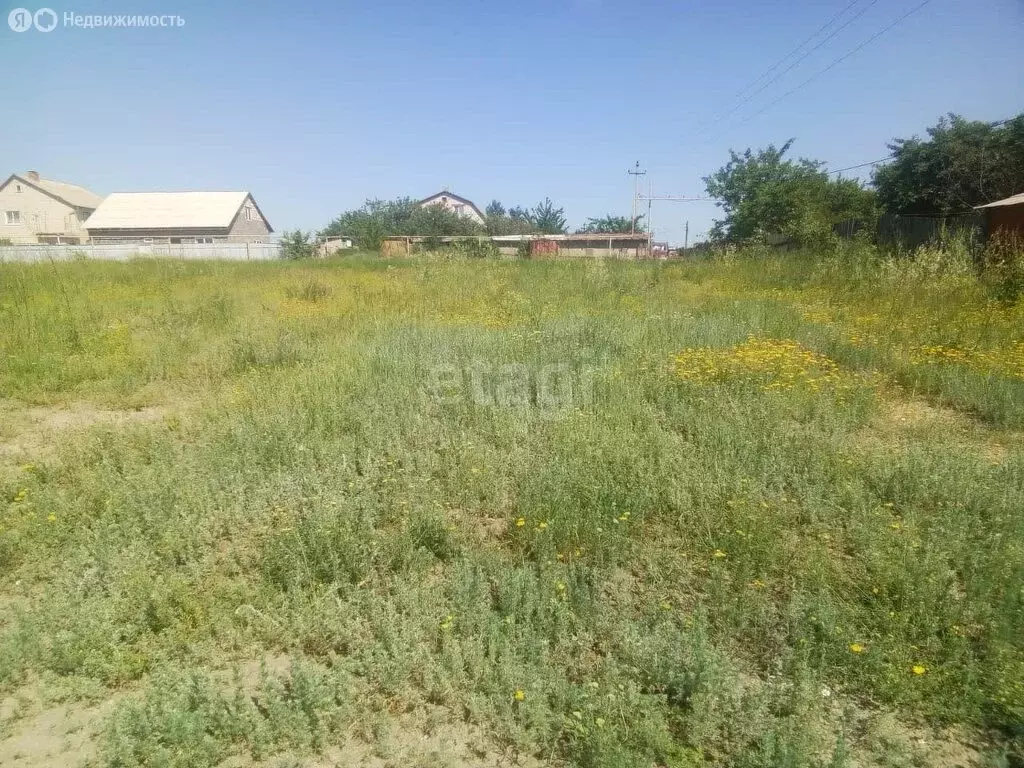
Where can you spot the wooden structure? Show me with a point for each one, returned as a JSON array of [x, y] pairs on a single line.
[[1005, 218]]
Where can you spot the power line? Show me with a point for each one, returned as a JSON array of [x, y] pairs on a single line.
[[790, 68], [862, 165], [836, 62], [996, 124], [778, 63]]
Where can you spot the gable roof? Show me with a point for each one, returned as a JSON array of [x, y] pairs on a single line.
[[1013, 200], [69, 194], [170, 210], [453, 196]]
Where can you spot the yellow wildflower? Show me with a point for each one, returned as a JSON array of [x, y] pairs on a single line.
[[519, 695], [520, 522], [919, 669], [719, 554], [856, 648]]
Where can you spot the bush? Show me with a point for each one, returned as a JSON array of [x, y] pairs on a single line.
[[473, 248], [1003, 267], [311, 290], [296, 245]]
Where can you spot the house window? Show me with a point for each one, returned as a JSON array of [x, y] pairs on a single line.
[[14, 217], [204, 240], [17, 187]]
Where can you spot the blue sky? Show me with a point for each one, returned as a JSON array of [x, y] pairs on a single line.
[[316, 106]]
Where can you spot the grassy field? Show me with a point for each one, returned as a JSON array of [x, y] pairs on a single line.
[[759, 512]]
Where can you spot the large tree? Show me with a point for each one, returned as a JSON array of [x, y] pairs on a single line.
[[547, 219], [765, 194], [514, 221], [611, 225], [378, 219], [962, 164]]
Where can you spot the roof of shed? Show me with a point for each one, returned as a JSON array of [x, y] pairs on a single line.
[[1013, 200], [167, 210], [72, 194]]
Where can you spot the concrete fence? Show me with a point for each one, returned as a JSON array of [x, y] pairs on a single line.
[[126, 251]]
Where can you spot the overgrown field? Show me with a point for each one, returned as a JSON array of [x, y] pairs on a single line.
[[765, 512]]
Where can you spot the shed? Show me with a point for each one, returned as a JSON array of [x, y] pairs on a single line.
[[1004, 217]]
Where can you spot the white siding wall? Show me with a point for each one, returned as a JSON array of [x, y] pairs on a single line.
[[40, 213], [455, 205]]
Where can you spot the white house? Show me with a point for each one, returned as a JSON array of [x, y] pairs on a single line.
[[178, 217], [453, 202], [38, 210]]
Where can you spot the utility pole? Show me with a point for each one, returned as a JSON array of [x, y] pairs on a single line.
[[686, 237], [636, 173], [650, 227]]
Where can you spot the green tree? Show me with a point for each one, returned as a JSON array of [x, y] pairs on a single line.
[[765, 194], [378, 219], [961, 164], [506, 225], [611, 225], [296, 245], [514, 221], [547, 219]]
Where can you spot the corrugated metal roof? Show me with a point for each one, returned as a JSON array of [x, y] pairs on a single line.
[[1014, 200], [166, 210], [72, 194]]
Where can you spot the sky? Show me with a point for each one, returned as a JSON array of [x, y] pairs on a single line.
[[315, 107]]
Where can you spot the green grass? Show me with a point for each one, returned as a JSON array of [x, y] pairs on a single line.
[[481, 489]]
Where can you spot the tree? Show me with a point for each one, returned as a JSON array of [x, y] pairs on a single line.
[[765, 194], [962, 164], [611, 225], [547, 219], [515, 221], [296, 245], [378, 219], [506, 225]]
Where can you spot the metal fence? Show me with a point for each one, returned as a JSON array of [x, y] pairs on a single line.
[[914, 231], [126, 251]]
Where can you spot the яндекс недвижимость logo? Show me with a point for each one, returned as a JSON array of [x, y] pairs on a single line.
[[46, 20], [22, 19]]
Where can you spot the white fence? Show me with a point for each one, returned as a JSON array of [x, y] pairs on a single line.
[[125, 251]]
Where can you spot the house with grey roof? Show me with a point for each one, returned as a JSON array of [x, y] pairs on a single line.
[[178, 217], [38, 210]]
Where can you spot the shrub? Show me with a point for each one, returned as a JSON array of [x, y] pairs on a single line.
[[1003, 267], [296, 245], [311, 290]]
